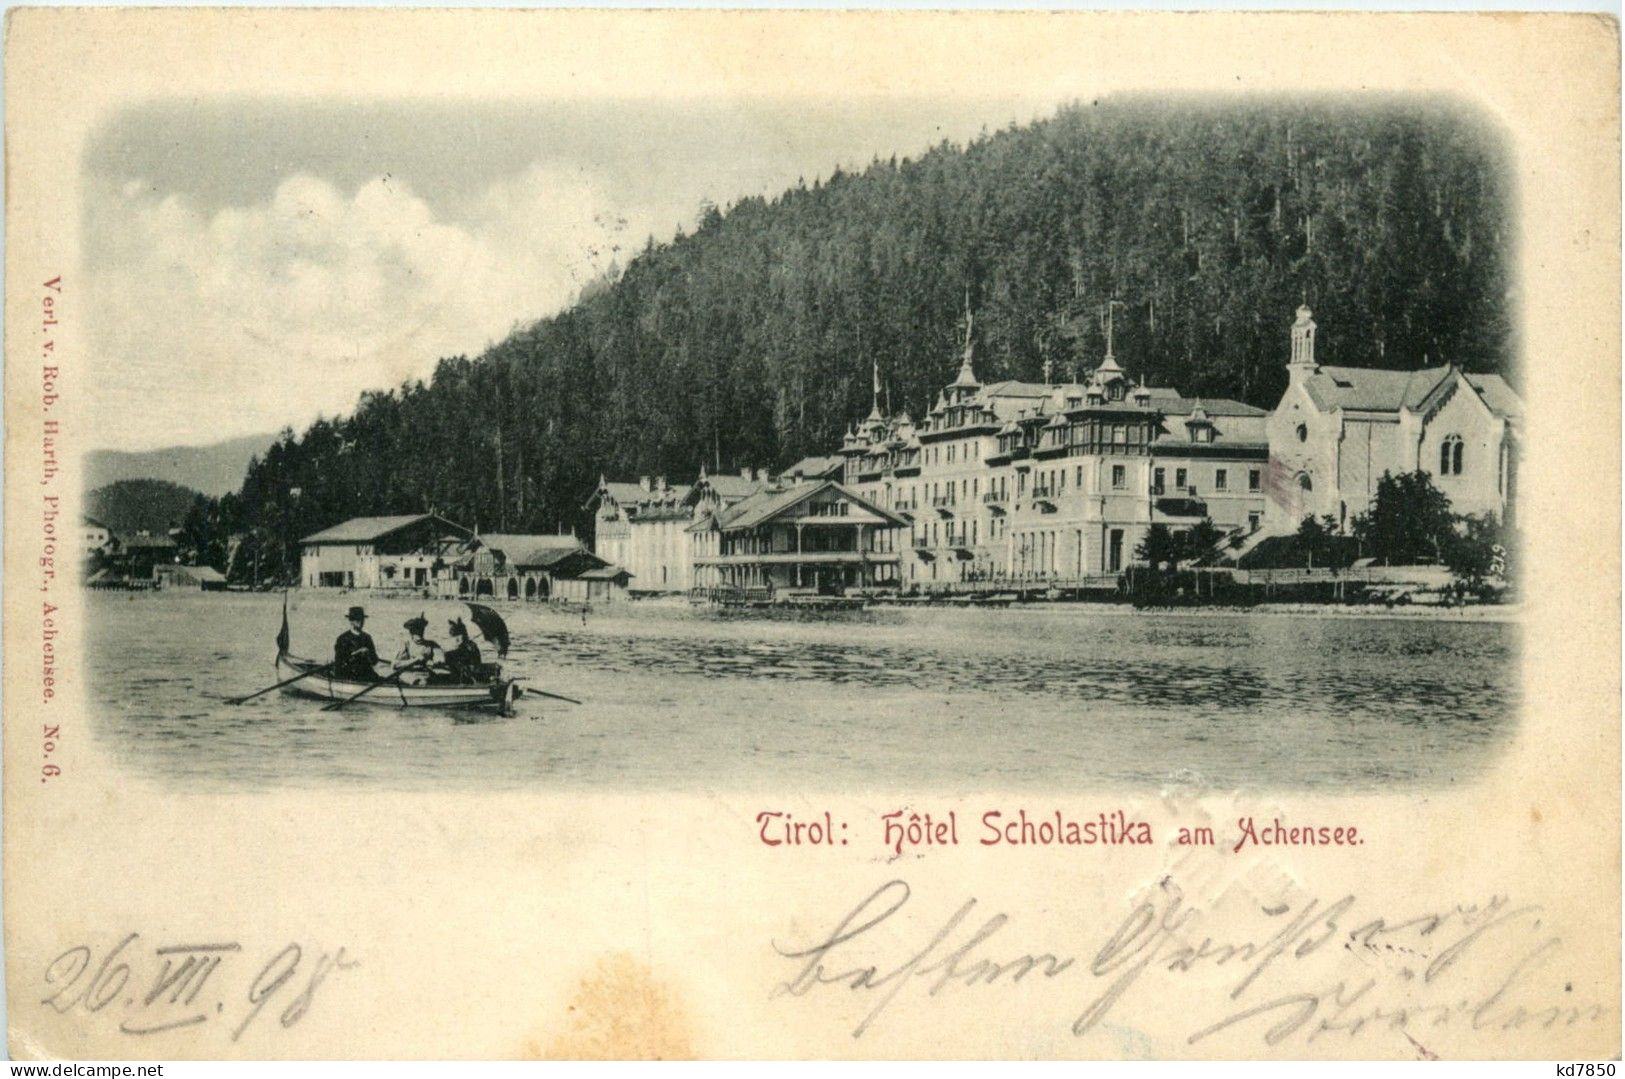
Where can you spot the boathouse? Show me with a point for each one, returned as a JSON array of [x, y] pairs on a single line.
[[406, 552], [536, 567]]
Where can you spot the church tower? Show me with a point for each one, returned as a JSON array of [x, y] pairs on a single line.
[[1302, 363]]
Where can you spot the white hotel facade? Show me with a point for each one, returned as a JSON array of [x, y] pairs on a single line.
[[1056, 480]]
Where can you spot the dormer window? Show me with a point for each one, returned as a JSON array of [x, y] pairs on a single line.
[[1202, 433]]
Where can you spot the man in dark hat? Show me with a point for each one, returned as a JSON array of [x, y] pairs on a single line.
[[354, 656], [419, 653], [463, 661]]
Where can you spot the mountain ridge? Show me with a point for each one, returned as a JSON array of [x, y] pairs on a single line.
[[214, 469]]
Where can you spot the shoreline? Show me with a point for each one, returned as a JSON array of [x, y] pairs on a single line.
[[1492, 613]]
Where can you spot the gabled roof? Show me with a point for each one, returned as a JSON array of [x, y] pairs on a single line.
[[765, 505], [530, 550], [634, 496], [729, 485], [368, 529], [1176, 405], [1369, 389], [607, 572], [1501, 398], [815, 468], [1372, 389], [622, 492]]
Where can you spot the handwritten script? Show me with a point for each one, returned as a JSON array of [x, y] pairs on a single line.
[[1303, 969], [151, 988]]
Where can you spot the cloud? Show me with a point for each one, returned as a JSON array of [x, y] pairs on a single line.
[[210, 325]]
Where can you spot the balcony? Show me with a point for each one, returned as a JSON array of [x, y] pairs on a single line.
[[944, 505], [994, 502], [904, 505]]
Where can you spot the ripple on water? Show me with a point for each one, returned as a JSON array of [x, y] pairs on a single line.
[[1055, 698]]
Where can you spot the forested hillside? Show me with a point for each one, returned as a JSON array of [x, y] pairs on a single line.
[[130, 506], [750, 341]]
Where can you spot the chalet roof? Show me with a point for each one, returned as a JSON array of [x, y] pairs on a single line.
[[530, 550], [765, 505], [368, 529]]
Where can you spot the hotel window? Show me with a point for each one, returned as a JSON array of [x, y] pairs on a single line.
[[1078, 479], [1254, 480], [1450, 456], [1202, 434], [1179, 478], [1119, 476], [1221, 480], [1159, 476], [1119, 435]]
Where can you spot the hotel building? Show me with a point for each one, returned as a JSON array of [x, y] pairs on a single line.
[[1055, 481]]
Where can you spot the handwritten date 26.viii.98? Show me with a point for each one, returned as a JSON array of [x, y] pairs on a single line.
[[171, 986]]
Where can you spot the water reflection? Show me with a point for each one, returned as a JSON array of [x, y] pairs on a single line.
[[1061, 697]]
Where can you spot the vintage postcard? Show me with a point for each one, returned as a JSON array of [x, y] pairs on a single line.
[[805, 535]]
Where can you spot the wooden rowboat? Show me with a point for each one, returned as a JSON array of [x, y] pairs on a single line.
[[499, 694]]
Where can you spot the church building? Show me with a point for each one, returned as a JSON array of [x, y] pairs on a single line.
[[1338, 429]]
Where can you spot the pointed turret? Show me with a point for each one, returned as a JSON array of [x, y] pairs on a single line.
[[965, 383]]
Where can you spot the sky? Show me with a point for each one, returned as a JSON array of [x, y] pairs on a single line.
[[256, 263]]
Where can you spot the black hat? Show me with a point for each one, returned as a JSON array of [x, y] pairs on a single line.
[[457, 627], [419, 623], [356, 614]]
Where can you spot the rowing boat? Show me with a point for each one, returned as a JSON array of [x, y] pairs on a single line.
[[499, 693]]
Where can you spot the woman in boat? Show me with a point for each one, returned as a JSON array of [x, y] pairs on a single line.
[[463, 661], [419, 656]]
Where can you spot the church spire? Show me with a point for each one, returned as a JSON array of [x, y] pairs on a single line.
[[967, 375], [874, 411]]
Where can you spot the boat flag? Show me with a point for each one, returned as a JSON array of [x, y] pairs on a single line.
[[282, 634], [492, 628]]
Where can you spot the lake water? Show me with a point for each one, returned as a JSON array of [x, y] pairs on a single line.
[[1062, 697]]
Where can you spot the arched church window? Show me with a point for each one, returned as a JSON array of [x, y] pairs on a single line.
[[1450, 456]]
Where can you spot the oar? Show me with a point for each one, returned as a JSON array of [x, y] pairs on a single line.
[[323, 669], [555, 696], [391, 680]]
